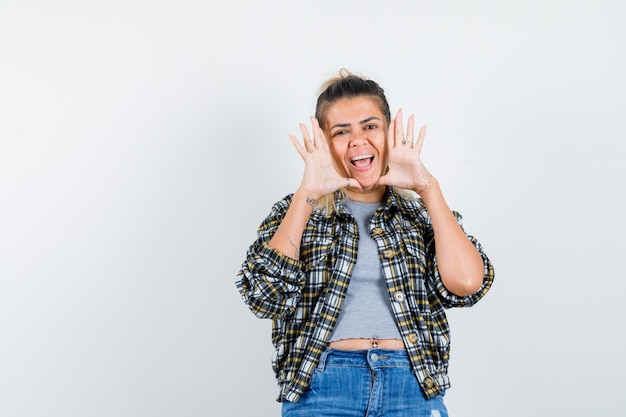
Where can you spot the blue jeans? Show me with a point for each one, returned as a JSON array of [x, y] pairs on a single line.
[[364, 383]]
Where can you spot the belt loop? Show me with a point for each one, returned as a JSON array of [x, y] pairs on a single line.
[[322, 361]]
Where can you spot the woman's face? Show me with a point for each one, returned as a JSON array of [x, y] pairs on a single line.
[[357, 133]]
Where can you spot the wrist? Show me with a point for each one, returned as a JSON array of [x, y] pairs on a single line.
[[308, 198], [420, 189]]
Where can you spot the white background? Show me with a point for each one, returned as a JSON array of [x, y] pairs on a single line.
[[142, 142]]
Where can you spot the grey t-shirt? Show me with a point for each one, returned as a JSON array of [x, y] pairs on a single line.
[[366, 311]]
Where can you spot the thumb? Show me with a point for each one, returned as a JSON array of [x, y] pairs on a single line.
[[353, 183]]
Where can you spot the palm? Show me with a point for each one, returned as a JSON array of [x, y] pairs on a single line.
[[320, 173], [406, 169]]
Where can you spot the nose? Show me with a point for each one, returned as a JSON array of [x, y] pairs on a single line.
[[358, 138]]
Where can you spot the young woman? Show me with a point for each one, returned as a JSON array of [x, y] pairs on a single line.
[[356, 267]]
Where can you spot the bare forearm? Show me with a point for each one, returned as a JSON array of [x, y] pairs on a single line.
[[459, 262], [289, 234]]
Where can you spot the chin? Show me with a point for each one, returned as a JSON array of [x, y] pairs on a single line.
[[371, 186]]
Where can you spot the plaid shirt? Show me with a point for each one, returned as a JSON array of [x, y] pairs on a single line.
[[303, 297]]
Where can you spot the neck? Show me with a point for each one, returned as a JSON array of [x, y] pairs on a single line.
[[372, 195]]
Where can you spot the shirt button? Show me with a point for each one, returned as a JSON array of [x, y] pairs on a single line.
[[398, 296], [377, 231], [428, 383], [388, 253], [413, 338]]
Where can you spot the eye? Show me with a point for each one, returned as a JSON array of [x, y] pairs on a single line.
[[372, 126], [339, 132]]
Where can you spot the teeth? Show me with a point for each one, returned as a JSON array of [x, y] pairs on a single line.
[[358, 158]]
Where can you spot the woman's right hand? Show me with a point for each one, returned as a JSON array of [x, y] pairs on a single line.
[[320, 172]]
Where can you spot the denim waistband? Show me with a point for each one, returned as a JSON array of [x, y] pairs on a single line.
[[370, 358]]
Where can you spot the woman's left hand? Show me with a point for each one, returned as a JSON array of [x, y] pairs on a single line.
[[406, 169]]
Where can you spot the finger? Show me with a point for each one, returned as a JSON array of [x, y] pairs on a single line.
[[420, 138], [353, 183], [399, 128], [409, 130], [391, 138], [319, 139], [298, 146], [308, 143]]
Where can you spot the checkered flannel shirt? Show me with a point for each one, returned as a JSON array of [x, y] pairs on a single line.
[[303, 297]]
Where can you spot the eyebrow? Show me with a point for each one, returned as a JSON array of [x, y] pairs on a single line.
[[369, 119]]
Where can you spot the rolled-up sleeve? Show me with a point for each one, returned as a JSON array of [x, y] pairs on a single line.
[[269, 282], [452, 300]]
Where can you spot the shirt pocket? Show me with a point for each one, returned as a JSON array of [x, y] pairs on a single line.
[[316, 251], [414, 245], [415, 256]]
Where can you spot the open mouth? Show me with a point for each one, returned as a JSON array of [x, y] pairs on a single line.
[[362, 161]]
